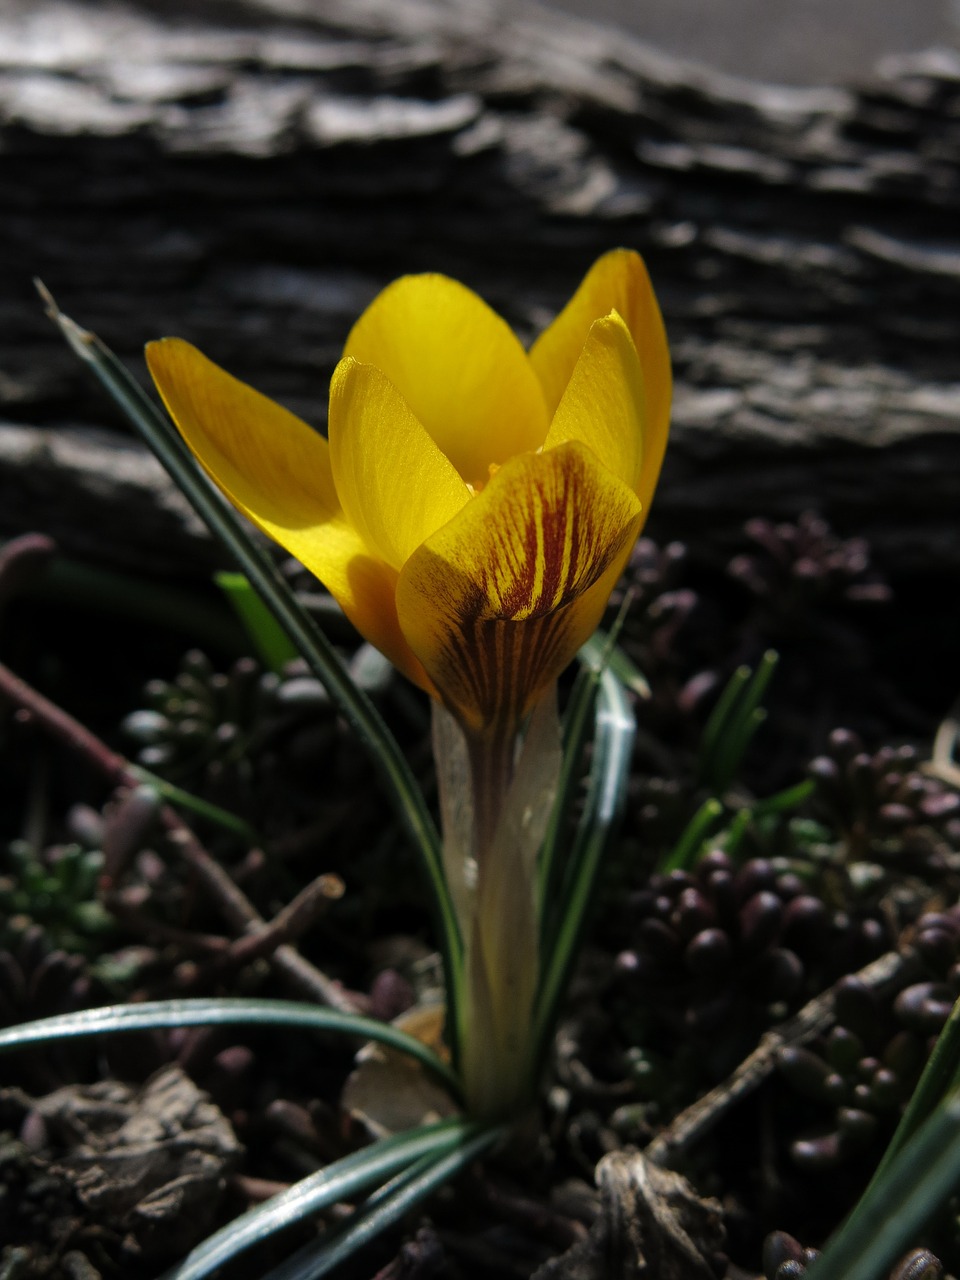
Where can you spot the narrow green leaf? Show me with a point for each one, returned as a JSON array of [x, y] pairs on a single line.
[[576, 724], [940, 1076], [267, 636], [606, 796], [736, 831], [175, 608], [781, 802], [195, 804], [717, 721], [555, 873], [789, 798], [734, 721], [385, 1207], [758, 685], [684, 853], [162, 437], [157, 1014], [599, 653], [338, 1181], [888, 1217], [734, 747]]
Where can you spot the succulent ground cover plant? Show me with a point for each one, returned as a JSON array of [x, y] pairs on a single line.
[[773, 951]]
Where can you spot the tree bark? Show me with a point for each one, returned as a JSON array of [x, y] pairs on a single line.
[[248, 175]]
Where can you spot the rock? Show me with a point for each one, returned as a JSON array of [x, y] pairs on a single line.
[[652, 1226], [150, 1163]]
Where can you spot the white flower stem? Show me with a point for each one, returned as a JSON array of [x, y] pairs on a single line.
[[495, 805]]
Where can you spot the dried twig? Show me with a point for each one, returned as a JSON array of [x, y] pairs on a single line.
[[889, 972], [233, 903], [265, 940], [22, 561]]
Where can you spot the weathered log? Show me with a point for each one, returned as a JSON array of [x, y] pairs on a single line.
[[249, 174]]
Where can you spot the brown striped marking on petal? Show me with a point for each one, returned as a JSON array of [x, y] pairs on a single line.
[[498, 601]]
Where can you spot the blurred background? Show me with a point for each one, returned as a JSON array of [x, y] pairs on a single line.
[[796, 42]]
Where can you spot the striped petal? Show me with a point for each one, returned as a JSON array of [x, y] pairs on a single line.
[[395, 485], [616, 282], [458, 366], [497, 602], [276, 470], [604, 404]]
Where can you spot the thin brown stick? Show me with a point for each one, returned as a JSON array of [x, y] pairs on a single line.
[[263, 941], [887, 973], [232, 902], [257, 1190], [146, 926]]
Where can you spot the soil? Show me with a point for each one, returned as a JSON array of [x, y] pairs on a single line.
[[682, 978]]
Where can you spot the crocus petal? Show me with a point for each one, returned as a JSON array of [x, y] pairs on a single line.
[[497, 602], [616, 282], [276, 470], [458, 366], [604, 404], [395, 485]]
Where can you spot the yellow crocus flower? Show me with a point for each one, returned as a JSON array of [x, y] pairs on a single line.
[[474, 504], [471, 511]]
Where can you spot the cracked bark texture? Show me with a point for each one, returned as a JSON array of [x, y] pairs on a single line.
[[248, 175]]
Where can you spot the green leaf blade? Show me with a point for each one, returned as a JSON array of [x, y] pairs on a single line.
[[161, 436], [385, 1207], [339, 1181], [227, 1011]]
